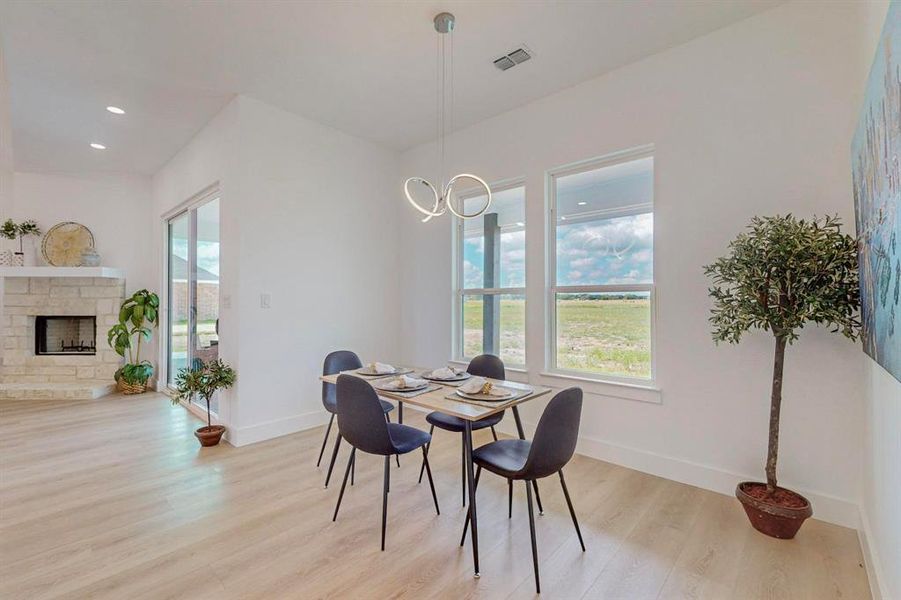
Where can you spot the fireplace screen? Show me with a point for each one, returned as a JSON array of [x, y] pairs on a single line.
[[65, 335]]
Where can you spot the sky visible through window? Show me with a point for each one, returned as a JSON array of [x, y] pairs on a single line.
[[207, 253], [595, 252]]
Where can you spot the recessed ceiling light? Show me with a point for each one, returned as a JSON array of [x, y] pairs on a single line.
[[97, 146], [115, 110], [582, 203]]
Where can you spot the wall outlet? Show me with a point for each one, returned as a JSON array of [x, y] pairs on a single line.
[[265, 301]]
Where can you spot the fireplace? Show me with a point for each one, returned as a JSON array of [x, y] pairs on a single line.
[[65, 335]]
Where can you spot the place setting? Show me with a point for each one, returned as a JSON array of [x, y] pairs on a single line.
[[450, 376], [377, 369], [404, 385], [481, 391]]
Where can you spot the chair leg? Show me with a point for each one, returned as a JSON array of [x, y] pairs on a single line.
[[328, 430], [475, 488], [385, 498], [463, 472], [427, 446], [344, 483], [532, 532], [493, 433], [353, 468], [396, 456], [428, 470], [509, 498], [572, 511], [331, 464], [537, 497]]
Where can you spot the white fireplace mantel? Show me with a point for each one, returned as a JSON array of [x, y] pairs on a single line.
[[105, 272]]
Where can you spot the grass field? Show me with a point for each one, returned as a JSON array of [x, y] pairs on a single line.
[[598, 335]]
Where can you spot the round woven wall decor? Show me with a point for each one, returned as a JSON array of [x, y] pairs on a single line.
[[64, 243]]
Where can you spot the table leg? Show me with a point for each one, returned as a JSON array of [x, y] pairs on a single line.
[[467, 442], [400, 412]]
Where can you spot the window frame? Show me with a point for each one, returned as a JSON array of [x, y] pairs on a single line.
[[459, 289], [552, 289]]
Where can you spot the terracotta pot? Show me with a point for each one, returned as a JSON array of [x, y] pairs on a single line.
[[775, 521], [210, 435]]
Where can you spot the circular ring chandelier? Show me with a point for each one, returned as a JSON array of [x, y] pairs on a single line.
[[442, 201]]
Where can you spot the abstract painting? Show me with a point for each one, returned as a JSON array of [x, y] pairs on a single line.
[[876, 169]]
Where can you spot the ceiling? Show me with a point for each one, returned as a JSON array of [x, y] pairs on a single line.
[[367, 68]]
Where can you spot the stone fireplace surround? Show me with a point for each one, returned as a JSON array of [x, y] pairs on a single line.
[[60, 292]]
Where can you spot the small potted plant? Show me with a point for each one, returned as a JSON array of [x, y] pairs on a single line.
[[12, 230], [204, 379], [137, 315], [779, 275]]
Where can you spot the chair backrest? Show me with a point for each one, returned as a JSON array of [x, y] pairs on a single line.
[[487, 365], [361, 419], [556, 435], [335, 362]]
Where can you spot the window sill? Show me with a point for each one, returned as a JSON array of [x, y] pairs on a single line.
[[601, 387]]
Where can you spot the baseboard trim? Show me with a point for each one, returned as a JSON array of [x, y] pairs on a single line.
[[267, 430], [871, 558], [827, 507]]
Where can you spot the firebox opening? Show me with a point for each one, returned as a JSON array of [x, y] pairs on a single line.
[[55, 335]]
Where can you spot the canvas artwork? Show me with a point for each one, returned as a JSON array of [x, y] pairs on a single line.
[[876, 166]]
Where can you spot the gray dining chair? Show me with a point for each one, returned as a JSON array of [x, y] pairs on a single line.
[[549, 451]]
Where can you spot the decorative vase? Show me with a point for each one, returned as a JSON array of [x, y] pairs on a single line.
[[89, 257], [18, 259], [6, 258]]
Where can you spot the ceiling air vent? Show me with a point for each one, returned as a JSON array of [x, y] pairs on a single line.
[[518, 56]]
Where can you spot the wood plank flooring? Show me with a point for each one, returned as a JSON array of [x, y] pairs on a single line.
[[113, 498]]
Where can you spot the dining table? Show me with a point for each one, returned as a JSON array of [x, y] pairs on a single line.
[[441, 396]]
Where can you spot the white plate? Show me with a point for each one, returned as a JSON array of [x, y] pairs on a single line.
[[389, 387], [486, 397], [463, 376], [369, 373]]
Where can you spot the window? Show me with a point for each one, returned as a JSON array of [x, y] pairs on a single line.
[[601, 289], [491, 278]]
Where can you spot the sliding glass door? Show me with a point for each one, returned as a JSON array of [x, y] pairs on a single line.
[[193, 287]]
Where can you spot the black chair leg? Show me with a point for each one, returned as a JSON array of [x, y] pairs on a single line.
[[493, 433], [427, 446], [572, 511], [428, 470], [385, 498], [350, 461], [328, 430], [537, 497], [509, 498], [463, 472], [396, 456], [353, 467], [331, 464], [475, 488], [532, 532]]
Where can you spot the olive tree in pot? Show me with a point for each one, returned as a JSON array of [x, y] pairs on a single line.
[[779, 275], [204, 379], [137, 315]]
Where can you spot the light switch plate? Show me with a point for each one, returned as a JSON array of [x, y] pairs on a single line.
[[265, 301]]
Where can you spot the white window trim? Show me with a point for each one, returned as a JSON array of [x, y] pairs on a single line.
[[550, 345], [458, 283]]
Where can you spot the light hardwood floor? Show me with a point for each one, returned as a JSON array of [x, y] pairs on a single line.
[[113, 499]]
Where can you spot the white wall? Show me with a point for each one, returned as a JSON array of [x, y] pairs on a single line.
[[753, 119], [881, 495], [6, 142], [308, 219]]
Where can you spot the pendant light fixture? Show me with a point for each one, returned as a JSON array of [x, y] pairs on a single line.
[[444, 25]]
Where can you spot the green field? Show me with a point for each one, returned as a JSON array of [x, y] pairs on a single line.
[[609, 336]]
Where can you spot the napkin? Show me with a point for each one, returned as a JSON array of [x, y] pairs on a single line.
[[378, 367], [444, 373], [405, 381], [474, 386]]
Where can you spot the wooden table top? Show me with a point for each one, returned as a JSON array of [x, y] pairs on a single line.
[[438, 400]]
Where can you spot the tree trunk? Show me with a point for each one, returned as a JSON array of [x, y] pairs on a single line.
[[209, 420], [775, 408]]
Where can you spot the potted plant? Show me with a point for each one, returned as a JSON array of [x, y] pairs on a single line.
[[12, 230], [137, 315], [203, 379], [779, 275]]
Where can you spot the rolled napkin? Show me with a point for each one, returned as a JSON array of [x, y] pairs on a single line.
[[378, 367], [405, 381], [444, 373], [473, 386]]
